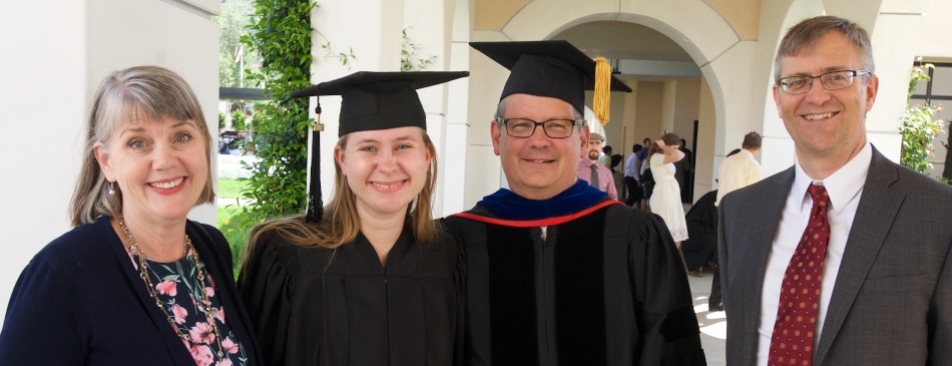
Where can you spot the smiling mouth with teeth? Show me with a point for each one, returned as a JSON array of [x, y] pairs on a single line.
[[168, 185], [813, 117], [387, 186]]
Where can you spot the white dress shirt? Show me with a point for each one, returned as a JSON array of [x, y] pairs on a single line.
[[845, 186], [736, 172], [633, 167]]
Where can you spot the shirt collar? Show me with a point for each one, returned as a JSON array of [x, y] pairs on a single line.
[[747, 153], [843, 185], [586, 162]]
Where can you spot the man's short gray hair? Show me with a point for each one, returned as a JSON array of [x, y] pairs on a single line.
[[809, 31]]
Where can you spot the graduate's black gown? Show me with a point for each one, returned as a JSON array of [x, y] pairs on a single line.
[[316, 306], [604, 286]]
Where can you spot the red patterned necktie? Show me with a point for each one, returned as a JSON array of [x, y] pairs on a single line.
[[792, 342]]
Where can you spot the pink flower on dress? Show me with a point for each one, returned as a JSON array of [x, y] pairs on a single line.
[[202, 332], [229, 345], [167, 287], [225, 362], [180, 313], [220, 314], [202, 355], [210, 289]]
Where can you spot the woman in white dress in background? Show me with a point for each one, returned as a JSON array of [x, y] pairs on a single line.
[[666, 198]]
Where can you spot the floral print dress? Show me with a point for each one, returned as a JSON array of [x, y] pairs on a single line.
[[179, 290]]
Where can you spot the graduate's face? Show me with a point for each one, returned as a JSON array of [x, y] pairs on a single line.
[[160, 166], [538, 167], [386, 169]]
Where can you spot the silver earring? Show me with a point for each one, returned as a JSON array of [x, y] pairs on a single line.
[[112, 190]]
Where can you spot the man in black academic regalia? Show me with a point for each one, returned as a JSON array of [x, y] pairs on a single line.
[[558, 273]]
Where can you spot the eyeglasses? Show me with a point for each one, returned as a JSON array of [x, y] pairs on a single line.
[[831, 81], [553, 128]]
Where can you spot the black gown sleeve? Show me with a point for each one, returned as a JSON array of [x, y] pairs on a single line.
[[41, 326], [267, 285], [668, 323]]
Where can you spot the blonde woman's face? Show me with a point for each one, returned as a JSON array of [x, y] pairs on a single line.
[[386, 169]]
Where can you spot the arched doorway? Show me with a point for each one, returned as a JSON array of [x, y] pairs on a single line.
[[693, 32]]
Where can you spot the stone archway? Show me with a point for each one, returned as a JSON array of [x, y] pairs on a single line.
[[701, 31]]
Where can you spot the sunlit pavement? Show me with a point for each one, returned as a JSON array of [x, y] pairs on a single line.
[[713, 324]]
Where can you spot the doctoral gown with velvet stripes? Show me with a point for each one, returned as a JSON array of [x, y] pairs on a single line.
[[603, 284], [317, 306]]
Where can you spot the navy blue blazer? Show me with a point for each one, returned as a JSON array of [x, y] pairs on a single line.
[[80, 301]]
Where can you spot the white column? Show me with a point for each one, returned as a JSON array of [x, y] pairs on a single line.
[[454, 158], [894, 55]]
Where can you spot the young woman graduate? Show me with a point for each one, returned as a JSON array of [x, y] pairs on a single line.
[[373, 280]]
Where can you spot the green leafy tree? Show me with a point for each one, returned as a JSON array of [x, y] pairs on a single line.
[[919, 127], [238, 120], [280, 31], [233, 23]]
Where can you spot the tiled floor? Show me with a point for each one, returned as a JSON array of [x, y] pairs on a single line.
[[713, 325]]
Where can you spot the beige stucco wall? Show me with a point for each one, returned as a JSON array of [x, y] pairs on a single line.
[[668, 97], [687, 108], [648, 111], [493, 14], [743, 15], [934, 41], [630, 107]]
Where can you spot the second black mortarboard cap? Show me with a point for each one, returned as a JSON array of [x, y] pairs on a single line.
[[379, 100], [370, 101], [554, 69]]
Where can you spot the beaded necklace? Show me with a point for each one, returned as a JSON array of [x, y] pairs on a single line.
[[144, 274]]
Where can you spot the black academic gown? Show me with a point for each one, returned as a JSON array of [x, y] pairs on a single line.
[[605, 286], [317, 306], [702, 232]]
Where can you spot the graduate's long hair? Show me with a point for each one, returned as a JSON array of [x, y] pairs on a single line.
[[669, 139], [341, 223]]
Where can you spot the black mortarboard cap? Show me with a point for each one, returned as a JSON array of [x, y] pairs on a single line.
[[379, 100], [550, 69], [370, 101]]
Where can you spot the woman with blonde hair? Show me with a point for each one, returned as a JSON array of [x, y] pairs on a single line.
[[373, 281], [135, 282], [665, 200]]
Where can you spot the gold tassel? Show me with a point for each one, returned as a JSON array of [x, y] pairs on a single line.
[[603, 89]]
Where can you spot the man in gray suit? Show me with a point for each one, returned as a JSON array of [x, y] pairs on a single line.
[[843, 259]]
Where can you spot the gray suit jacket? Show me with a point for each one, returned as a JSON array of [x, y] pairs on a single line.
[[892, 300]]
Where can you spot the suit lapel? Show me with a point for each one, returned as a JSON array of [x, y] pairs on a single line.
[[753, 266], [875, 214]]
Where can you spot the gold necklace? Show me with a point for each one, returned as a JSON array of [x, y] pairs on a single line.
[[144, 274]]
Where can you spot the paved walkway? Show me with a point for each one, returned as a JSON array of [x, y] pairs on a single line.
[[713, 324]]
